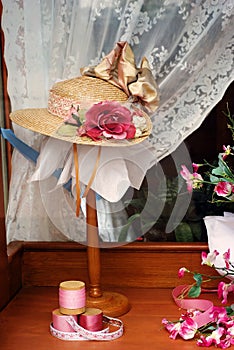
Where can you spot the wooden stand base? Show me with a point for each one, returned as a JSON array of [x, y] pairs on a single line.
[[111, 303]]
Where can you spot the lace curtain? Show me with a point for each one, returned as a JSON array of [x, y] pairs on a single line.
[[189, 45]]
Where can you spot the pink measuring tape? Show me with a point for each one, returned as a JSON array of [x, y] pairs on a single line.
[[79, 333]]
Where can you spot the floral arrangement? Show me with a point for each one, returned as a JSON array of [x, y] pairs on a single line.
[[219, 328], [220, 176], [106, 120]]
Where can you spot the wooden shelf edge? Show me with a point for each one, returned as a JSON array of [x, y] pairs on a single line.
[[134, 246]]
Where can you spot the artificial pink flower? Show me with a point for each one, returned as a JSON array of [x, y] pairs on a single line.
[[219, 314], [224, 189], [224, 289], [227, 151], [209, 259], [73, 116], [193, 180], [230, 331], [214, 338], [195, 167], [226, 257], [181, 272], [186, 328], [172, 328], [109, 119]]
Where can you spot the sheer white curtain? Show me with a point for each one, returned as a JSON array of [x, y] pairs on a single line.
[[189, 45]]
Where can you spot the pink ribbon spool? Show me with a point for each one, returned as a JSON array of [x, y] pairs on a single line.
[[72, 298], [92, 320], [60, 321]]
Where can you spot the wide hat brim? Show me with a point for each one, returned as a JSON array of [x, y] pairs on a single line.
[[41, 121]]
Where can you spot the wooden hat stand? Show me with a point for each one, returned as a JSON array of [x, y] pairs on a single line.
[[111, 303]]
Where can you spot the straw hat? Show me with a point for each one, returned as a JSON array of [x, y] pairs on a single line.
[[89, 110]]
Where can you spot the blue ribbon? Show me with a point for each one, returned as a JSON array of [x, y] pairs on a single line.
[[28, 152]]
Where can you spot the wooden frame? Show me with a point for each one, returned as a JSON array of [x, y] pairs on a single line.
[[4, 282]]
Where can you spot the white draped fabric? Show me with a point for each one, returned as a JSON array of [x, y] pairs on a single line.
[[189, 45]]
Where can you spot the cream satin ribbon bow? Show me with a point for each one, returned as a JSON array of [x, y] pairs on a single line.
[[119, 69]]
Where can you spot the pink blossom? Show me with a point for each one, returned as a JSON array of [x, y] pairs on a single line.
[[227, 151], [226, 257], [224, 289], [186, 328], [109, 119], [214, 338], [230, 330], [224, 189], [193, 180], [209, 259], [219, 314], [172, 328], [73, 116], [181, 272], [195, 167]]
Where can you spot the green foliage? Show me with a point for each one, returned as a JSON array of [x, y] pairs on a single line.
[[183, 233], [194, 291]]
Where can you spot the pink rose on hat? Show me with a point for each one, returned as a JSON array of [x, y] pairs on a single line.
[[108, 119]]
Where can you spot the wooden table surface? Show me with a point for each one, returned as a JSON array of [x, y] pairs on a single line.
[[24, 323]]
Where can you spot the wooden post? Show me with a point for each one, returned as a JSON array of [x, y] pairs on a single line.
[[93, 250], [111, 303]]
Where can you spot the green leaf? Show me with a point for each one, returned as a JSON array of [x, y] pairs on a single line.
[[214, 179], [194, 291], [223, 165], [67, 130], [230, 310], [218, 171], [183, 233], [198, 278]]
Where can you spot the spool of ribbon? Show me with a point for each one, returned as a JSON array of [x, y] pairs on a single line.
[[60, 321], [91, 319], [72, 297], [79, 333]]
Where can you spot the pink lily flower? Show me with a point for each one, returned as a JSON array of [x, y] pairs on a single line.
[[209, 259], [227, 151], [193, 180]]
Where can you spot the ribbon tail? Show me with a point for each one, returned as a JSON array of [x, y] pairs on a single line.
[[28, 152]]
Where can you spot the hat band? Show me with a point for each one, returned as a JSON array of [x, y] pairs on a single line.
[[59, 105]]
